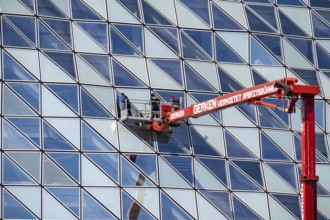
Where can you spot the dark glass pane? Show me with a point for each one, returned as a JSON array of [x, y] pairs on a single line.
[[107, 162], [124, 78], [319, 112], [305, 46], [120, 46], [323, 57], [170, 210], [290, 2], [195, 81], [70, 162], [200, 146], [223, 21], [147, 163], [14, 175], [26, 25], [249, 110], [68, 196], [217, 167], [260, 1], [259, 55], [61, 28], [169, 36], [270, 150], [89, 107], [281, 114], [297, 143], [98, 31], [169, 146], [94, 210], [325, 14], [220, 199], [183, 165], [257, 78], [321, 29], [132, 6], [100, 63], [257, 24], [12, 70], [288, 27], [64, 60], [172, 68], [29, 126], [29, 91], [235, 148], [12, 209], [320, 3], [91, 141], [133, 33], [227, 83], [286, 171], [53, 140], [48, 39], [191, 50], [251, 168], [267, 119], [46, 7], [239, 181], [151, 16], [267, 13], [68, 93], [321, 145], [10, 37], [242, 211], [203, 39], [309, 76], [224, 53], [132, 210], [82, 11], [290, 202], [180, 133], [273, 43]]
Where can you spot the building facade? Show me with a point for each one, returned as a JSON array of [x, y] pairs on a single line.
[[66, 155]]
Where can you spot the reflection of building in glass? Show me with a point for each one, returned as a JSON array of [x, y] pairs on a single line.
[[66, 155]]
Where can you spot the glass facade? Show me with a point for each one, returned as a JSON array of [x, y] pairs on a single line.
[[66, 155]]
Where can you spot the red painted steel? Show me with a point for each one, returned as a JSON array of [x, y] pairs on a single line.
[[285, 87]]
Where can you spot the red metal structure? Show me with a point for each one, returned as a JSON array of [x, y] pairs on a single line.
[[283, 88]]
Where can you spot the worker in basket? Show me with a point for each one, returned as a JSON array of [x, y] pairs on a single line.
[[154, 102], [125, 103], [175, 103]]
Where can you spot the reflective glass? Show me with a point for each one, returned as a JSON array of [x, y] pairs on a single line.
[[132, 210], [200, 146], [321, 145], [242, 211], [11, 37], [46, 7], [14, 175], [61, 28], [172, 68], [170, 210], [195, 81], [257, 24], [290, 2], [183, 165], [322, 57], [286, 171], [122, 77], [48, 40], [320, 3], [132, 6], [107, 162], [235, 148], [151, 16], [169, 146], [273, 43], [220, 199], [53, 140], [82, 11], [321, 29], [291, 202], [68, 93], [68, 196], [288, 27], [64, 60], [227, 83], [98, 31], [267, 119], [12, 70], [305, 46], [89, 106], [217, 167], [133, 33], [29, 126], [325, 14], [252, 168], [99, 63], [203, 39], [26, 25], [30, 93], [239, 181], [70, 162], [29, 4], [191, 50], [119, 45], [270, 150], [223, 21], [168, 35], [266, 12], [91, 141], [224, 53], [199, 7], [259, 55], [91, 209], [15, 210], [53, 175]]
